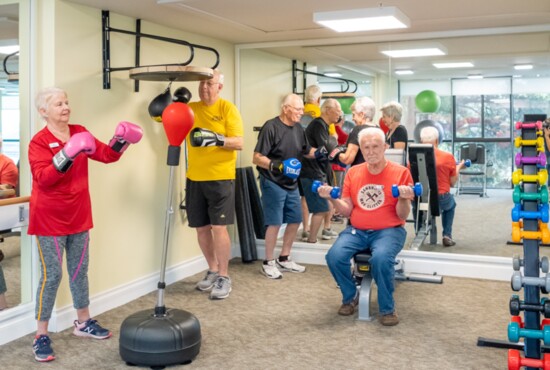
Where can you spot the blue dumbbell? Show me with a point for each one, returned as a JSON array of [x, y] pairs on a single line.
[[467, 162], [515, 332], [334, 193], [541, 214], [417, 190]]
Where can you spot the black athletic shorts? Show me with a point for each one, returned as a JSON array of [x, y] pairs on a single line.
[[210, 202]]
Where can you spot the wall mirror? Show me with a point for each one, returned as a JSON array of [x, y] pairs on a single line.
[[482, 110], [16, 263]]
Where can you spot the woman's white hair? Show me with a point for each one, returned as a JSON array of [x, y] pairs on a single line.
[[366, 105], [44, 96]]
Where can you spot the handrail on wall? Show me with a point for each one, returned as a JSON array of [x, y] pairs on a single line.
[[12, 76], [305, 72], [107, 69]]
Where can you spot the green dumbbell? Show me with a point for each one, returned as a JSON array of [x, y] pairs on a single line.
[[541, 196]]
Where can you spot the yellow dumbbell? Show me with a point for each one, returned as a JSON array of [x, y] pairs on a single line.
[[543, 234], [538, 142], [541, 177]]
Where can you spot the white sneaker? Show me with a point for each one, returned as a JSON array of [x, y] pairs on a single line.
[[271, 271], [328, 234], [290, 265]]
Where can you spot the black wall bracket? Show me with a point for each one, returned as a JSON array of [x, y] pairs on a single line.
[[107, 69], [305, 72]]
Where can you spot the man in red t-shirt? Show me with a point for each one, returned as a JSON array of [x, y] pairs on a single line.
[[376, 223], [447, 175]]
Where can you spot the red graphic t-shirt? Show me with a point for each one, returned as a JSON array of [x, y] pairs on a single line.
[[371, 195]]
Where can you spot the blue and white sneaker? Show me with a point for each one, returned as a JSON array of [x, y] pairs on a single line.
[[91, 329], [42, 349]]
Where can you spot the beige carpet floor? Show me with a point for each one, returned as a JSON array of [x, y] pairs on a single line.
[[292, 324]]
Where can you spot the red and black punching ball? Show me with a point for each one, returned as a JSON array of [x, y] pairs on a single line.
[[177, 120], [164, 336]]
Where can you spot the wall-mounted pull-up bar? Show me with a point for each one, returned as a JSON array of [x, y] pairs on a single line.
[[295, 70], [160, 72]]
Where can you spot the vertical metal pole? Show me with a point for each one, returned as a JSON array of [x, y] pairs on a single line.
[[106, 49], [169, 213], [138, 42]]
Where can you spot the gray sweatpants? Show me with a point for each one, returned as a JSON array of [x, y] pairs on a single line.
[[50, 250]]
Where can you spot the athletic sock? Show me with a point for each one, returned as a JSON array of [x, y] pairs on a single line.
[[283, 258]]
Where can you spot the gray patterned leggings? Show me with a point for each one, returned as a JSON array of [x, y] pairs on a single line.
[[50, 251]]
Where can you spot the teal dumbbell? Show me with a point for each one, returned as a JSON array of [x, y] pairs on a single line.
[[515, 332], [541, 195]]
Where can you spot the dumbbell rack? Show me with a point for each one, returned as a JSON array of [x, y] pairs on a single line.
[[530, 218]]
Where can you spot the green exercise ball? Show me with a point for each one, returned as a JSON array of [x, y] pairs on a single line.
[[427, 101]]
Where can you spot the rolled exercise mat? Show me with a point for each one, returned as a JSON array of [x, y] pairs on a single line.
[[255, 204], [245, 227]]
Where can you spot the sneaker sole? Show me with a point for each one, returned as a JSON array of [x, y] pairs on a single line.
[[221, 296], [81, 334], [47, 359], [284, 269], [270, 277], [205, 289]]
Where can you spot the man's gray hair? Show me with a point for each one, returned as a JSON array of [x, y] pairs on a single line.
[[371, 131], [312, 94], [429, 134]]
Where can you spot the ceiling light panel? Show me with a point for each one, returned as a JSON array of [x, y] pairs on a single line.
[[367, 19]]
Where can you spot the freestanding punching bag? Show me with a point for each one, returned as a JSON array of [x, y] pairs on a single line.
[[160, 337]]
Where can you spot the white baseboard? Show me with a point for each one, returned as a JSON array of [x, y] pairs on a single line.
[[418, 262]]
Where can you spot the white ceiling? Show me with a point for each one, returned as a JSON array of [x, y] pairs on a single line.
[[492, 34]]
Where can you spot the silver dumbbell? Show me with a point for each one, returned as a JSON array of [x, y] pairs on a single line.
[[518, 281], [517, 262]]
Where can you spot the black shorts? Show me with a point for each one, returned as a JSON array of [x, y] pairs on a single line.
[[210, 202]]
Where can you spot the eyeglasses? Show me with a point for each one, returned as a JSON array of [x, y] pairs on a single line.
[[297, 109], [209, 83]]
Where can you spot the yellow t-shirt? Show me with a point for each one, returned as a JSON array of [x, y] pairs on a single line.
[[213, 163], [312, 110]]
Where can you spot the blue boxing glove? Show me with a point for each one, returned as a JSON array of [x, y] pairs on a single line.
[[321, 154], [289, 167]]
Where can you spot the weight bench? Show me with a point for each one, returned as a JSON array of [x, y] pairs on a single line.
[[362, 274]]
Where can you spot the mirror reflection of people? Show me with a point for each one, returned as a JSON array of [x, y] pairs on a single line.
[[377, 222], [3, 286], [60, 210], [9, 176], [447, 176], [397, 136]]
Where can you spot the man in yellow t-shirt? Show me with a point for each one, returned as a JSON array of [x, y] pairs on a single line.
[[210, 192]]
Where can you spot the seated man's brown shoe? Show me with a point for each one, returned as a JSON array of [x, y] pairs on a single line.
[[389, 319], [348, 309]]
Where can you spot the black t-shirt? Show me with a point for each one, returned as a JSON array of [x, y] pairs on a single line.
[[279, 141], [399, 135], [353, 138], [317, 136]]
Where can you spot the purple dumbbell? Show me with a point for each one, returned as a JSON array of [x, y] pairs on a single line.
[[539, 159]]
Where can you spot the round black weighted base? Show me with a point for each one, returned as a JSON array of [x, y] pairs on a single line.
[[158, 341]]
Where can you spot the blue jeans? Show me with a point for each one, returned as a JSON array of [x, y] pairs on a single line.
[[384, 245], [447, 207]]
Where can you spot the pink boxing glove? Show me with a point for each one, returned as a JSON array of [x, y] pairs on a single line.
[[82, 142], [126, 133]]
